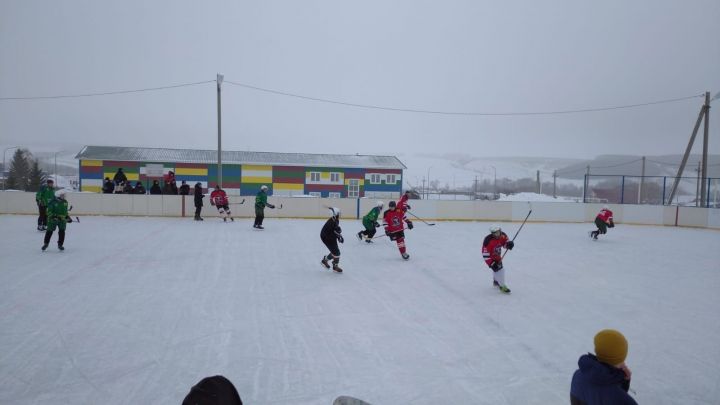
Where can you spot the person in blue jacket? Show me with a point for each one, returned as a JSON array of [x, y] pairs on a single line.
[[603, 378]]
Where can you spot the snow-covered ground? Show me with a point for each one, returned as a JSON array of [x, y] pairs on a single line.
[[137, 310]]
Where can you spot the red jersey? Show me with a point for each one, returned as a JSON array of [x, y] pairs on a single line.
[[394, 220], [402, 203], [492, 248], [605, 215], [218, 197]]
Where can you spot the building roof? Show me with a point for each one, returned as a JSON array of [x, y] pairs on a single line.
[[132, 154]]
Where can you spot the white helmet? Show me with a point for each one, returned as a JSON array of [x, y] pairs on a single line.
[[60, 193], [605, 207], [495, 228], [379, 204], [263, 187], [335, 211]]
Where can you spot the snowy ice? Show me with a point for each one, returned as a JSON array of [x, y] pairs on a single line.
[[137, 310]]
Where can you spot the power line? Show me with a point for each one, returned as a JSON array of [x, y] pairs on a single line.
[[376, 107], [107, 93]]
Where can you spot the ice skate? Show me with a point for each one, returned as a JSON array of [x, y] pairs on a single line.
[[359, 235], [336, 268], [325, 263], [61, 247], [44, 246], [405, 256], [504, 289]]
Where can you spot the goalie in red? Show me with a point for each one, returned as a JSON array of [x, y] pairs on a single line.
[[219, 198]]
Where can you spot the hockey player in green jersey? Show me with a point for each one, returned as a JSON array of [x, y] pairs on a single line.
[[370, 222], [260, 204], [42, 198], [57, 218]]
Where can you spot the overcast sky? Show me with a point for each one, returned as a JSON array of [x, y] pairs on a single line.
[[444, 56]]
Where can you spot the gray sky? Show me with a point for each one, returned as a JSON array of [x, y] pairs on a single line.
[[452, 56]]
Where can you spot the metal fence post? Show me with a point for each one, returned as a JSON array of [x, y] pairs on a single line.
[[664, 184], [622, 190]]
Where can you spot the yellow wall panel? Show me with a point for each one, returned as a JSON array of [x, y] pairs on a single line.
[[255, 179], [288, 186], [91, 162], [93, 189], [190, 171], [257, 167]]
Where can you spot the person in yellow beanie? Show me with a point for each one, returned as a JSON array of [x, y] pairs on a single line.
[[603, 378]]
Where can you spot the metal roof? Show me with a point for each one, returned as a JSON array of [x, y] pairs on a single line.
[[132, 154]]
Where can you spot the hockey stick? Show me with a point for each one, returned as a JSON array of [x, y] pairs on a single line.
[[241, 202], [422, 220], [76, 218], [518, 231]]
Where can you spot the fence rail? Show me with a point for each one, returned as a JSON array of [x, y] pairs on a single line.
[[652, 190]]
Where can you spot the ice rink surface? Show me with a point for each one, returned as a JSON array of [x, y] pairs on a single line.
[[137, 310]]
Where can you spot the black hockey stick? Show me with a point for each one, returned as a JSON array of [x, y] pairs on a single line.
[[241, 202], [422, 220], [518, 231], [76, 218]]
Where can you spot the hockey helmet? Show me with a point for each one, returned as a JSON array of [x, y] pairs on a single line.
[[495, 229], [60, 193], [379, 204], [335, 211], [263, 187], [392, 204], [605, 207]]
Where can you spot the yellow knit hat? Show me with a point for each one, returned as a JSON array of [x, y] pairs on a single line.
[[610, 346]]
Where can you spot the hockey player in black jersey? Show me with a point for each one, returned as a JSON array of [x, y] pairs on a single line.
[[330, 235]]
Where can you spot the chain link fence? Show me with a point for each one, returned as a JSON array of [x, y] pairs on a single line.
[[654, 190]]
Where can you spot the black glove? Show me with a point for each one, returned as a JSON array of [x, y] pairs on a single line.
[[340, 239], [407, 207], [271, 206], [509, 245], [410, 224], [69, 220], [377, 224], [611, 224], [496, 265]]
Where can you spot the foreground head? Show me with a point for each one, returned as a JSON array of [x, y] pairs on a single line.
[[611, 347], [392, 205], [50, 182], [60, 194], [213, 390], [183, 182], [263, 187], [335, 212], [198, 184], [495, 230]]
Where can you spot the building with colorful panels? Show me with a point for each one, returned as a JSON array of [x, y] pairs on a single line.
[[243, 173]]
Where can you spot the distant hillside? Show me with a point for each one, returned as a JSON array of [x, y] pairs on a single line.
[[461, 170]]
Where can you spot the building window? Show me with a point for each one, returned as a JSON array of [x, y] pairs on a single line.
[[315, 194], [353, 188], [315, 177], [334, 177], [334, 195], [375, 178], [390, 179]]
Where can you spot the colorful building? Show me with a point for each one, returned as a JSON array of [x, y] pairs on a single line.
[[243, 173]]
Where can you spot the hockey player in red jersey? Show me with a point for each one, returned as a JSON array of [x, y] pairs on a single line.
[[403, 201], [218, 198], [492, 253], [395, 221], [603, 221]]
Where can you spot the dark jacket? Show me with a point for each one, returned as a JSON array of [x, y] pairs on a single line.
[[119, 177], [128, 188], [108, 187], [331, 230], [198, 196], [155, 189], [139, 189], [597, 383], [184, 189]]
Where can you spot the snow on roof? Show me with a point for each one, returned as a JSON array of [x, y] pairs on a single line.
[[237, 157]]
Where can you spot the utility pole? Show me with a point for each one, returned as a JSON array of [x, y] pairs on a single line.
[[424, 189], [642, 180], [219, 123], [698, 202], [703, 187], [555, 184], [587, 182], [475, 193], [537, 181], [703, 113]]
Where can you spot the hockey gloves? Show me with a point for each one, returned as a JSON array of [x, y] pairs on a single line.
[[271, 206], [340, 239], [68, 219], [496, 265], [509, 245], [377, 225], [410, 224], [611, 224]]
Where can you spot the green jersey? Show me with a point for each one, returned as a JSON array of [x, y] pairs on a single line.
[[261, 199], [44, 195]]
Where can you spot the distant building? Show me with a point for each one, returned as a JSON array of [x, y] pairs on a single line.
[[243, 173]]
